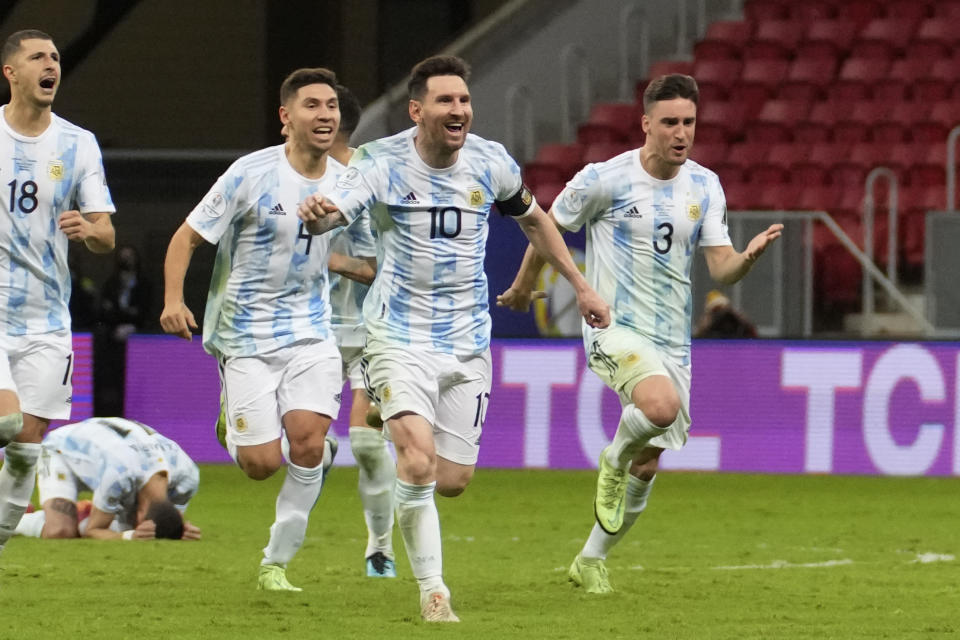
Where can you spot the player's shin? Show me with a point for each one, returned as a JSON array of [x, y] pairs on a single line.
[[599, 543], [377, 478], [420, 526], [299, 492], [17, 479]]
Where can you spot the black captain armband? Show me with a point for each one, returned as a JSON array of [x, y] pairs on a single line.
[[516, 205]]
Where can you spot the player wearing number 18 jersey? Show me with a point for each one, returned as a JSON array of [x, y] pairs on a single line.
[[267, 319], [53, 190], [428, 193]]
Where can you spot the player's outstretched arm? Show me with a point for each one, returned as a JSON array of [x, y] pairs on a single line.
[[727, 266], [98, 526], [319, 215], [363, 270], [542, 232], [176, 318], [95, 230]]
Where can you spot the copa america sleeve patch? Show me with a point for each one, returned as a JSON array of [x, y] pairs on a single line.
[[517, 205]]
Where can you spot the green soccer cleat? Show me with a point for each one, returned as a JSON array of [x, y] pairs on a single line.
[[608, 504], [222, 427], [591, 574], [273, 577]]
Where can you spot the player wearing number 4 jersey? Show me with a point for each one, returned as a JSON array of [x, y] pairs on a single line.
[[53, 191], [428, 192], [646, 211], [267, 319]]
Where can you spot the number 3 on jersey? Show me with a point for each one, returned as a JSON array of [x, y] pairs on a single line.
[[27, 200]]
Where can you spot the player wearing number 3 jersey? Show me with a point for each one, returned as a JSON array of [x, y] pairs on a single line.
[[267, 319], [428, 192], [52, 189]]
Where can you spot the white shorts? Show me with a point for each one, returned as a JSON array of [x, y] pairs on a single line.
[[351, 366], [55, 478], [622, 358], [451, 392], [38, 369], [257, 391]]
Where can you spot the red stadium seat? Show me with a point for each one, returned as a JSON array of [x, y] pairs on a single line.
[[838, 278], [716, 72], [809, 174], [864, 70], [768, 132], [546, 193], [747, 154], [568, 158], [895, 32], [839, 33], [909, 10], [739, 195], [819, 49], [868, 112], [784, 112], [729, 172], [848, 174], [735, 33], [666, 67], [890, 90], [769, 175], [938, 30], [929, 132], [603, 151], [850, 132], [828, 113], [929, 50], [811, 133], [931, 89], [818, 198], [716, 50], [609, 122], [946, 113], [874, 155], [818, 71], [787, 154], [862, 11], [949, 9], [709, 154], [889, 133], [782, 32], [766, 50], [828, 153], [726, 116], [812, 10], [757, 10]]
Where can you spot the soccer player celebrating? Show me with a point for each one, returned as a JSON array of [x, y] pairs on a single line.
[[267, 318], [645, 211], [428, 192], [141, 482], [377, 471], [57, 191]]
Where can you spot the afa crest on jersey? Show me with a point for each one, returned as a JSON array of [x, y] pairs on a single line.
[[55, 170], [693, 211], [476, 197]]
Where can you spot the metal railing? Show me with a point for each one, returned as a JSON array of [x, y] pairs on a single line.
[[573, 59], [869, 207], [952, 168], [629, 15], [520, 125]]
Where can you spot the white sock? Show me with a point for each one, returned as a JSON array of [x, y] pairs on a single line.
[[17, 478], [633, 433], [420, 526], [600, 542], [378, 474], [299, 492], [31, 524]]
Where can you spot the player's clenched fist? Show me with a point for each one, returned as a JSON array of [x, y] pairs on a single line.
[[74, 225]]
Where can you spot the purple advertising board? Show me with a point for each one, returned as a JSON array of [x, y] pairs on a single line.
[[757, 406]]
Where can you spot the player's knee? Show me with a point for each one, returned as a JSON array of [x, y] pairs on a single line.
[[662, 412], [10, 426], [259, 467], [308, 450], [451, 484]]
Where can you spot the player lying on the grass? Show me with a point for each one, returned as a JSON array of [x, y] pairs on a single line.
[[141, 483], [646, 211]]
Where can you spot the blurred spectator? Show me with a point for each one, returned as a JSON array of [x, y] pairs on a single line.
[[83, 295], [721, 320], [124, 309]]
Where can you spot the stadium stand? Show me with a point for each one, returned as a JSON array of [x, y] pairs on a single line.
[[803, 98]]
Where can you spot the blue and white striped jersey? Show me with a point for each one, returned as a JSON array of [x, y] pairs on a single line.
[[59, 170], [346, 295], [431, 227], [641, 235], [269, 286], [114, 458]]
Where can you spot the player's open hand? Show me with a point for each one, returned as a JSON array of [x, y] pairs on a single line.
[[594, 309], [75, 226], [146, 530], [760, 242], [519, 299], [178, 320], [190, 531]]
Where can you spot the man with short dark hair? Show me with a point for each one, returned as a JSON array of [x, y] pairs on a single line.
[[267, 318], [646, 211], [56, 192], [428, 192], [141, 481]]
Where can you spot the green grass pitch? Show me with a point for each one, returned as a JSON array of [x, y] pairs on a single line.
[[714, 556]]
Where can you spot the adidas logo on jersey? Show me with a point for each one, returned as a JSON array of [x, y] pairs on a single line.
[[277, 210], [410, 198], [632, 212]]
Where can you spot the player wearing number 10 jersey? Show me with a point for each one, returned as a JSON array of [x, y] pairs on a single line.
[[428, 192], [53, 190], [267, 319]]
